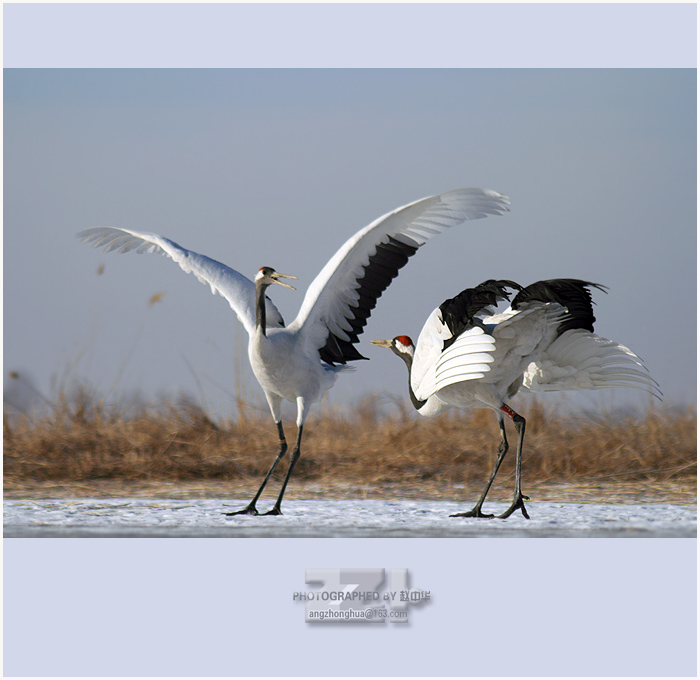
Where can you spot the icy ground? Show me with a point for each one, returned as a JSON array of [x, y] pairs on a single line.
[[337, 518]]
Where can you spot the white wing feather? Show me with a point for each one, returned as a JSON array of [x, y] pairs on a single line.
[[238, 290], [428, 349], [509, 337], [329, 299], [580, 360], [468, 358]]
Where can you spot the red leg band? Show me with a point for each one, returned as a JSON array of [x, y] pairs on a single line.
[[508, 411]]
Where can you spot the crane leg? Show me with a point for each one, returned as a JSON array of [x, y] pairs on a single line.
[[295, 455], [518, 498], [250, 509], [502, 450]]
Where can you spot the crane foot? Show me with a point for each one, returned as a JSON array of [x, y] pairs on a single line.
[[517, 504], [275, 511], [248, 510], [474, 512]]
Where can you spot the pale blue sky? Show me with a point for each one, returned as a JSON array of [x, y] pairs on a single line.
[[278, 167]]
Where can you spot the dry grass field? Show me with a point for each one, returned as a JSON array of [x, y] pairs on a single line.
[[85, 448]]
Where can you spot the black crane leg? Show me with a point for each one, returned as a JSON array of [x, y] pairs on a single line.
[[295, 455], [502, 450], [250, 509], [518, 498]]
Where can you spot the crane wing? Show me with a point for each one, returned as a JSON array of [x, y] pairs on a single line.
[[429, 346], [236, 288], [468, 358], [341, 298], [580, 360], [453, 345]]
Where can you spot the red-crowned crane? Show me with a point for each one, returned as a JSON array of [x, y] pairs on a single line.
[[468, 356], [301, 361]]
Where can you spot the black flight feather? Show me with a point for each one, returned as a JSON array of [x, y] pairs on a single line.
[[573, 294], [383, 267], [458, 312]]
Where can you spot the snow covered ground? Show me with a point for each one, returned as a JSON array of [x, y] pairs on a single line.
[[337, 518]]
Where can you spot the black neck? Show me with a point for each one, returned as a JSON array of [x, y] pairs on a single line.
[[260, 315], [417, 403]]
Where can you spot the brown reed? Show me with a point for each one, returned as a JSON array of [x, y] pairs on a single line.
[[85, 441]]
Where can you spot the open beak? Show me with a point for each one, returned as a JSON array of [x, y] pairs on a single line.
[[382, 343], [277, 276]]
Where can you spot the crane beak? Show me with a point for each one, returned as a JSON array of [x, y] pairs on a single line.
[[276, 276], [382, 343]]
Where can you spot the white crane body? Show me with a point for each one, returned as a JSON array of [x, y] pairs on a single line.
[[301, 361], [467, 356], [287, 370], [496, 359]]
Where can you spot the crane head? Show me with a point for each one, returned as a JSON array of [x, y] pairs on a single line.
[[267, 276], [401, 345]]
